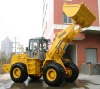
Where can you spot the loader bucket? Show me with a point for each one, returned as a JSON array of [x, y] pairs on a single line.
[[80, 13]]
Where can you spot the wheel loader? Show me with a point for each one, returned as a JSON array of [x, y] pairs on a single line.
[[40, 61]]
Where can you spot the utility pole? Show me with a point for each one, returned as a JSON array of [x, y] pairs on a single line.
[[15, 44]]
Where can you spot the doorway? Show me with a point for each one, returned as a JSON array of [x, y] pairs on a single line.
[[91, 55], [71, 53]]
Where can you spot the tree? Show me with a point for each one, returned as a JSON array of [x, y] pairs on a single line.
[[4, 59]]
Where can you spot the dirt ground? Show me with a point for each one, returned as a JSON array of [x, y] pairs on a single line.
[[83, 82]]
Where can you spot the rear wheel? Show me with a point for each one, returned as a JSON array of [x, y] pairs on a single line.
[[18, 72], [72, 72], [54, 74]]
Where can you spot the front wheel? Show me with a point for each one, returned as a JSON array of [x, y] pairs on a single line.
[[72, 72], [18, 72], [54, 74]]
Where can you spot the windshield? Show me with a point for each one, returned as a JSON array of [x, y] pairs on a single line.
[[43, 46]]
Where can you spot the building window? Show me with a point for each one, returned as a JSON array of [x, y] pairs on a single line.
[[66, 19]]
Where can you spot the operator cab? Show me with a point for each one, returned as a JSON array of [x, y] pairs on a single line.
[[37, 48]]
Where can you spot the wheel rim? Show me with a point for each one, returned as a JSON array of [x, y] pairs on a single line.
[[16, 72], [51, 74], [69, 71]]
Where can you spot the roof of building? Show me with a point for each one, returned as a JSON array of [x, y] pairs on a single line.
[[91, 30], [7, 39]]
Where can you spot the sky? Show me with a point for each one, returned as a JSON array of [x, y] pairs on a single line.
[[21, 19]]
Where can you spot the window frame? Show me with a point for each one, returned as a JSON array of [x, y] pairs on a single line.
[[68, 20]]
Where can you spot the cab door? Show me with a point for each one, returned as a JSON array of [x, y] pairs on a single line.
[[33, 49]]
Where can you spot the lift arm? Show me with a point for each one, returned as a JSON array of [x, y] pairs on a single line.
[[81, 16]]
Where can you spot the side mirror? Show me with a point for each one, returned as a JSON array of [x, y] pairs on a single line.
[[27, 49], [49, 42]]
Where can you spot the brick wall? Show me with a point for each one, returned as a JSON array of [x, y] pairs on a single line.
[[90, 41]]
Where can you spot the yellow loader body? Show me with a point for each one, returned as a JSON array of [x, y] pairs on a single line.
[[33, 65], [52, 66]]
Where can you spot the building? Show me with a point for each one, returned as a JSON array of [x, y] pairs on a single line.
[[6, 46], [86, 46]]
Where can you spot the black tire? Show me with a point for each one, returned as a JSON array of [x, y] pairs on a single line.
[[75, 72], [23, 76], [60, 74], [34, 77]]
